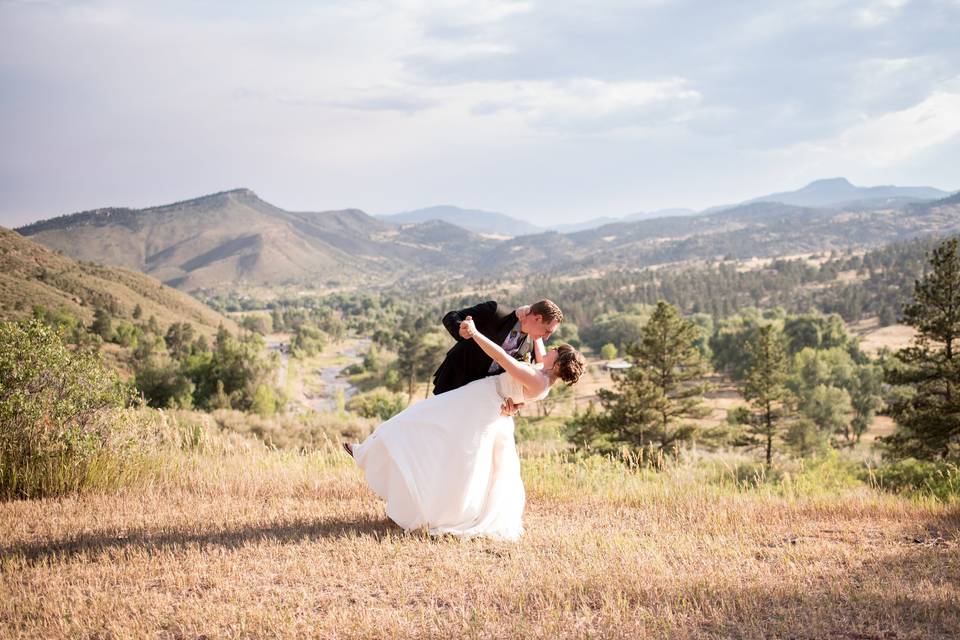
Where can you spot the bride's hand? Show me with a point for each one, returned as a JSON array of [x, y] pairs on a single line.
[[468, 327]]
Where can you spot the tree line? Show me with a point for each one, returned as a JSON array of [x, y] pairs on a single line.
[[806, 382]]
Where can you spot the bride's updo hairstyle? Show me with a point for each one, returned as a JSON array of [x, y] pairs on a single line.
[[569, 365]]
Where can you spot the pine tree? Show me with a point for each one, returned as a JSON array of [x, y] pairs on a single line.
[[765, 387], [102, 324], [661, 389], [178, 339], [928, 418], [418, 354]]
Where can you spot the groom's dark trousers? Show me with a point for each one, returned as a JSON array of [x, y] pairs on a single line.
[[466, 361]]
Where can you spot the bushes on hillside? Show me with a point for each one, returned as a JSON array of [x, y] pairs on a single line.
[[925, 478], [307, 341], [59, 413], [378, 403], [188, 373]]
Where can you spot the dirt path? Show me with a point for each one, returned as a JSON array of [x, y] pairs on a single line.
[[315, 383], [280, 344]]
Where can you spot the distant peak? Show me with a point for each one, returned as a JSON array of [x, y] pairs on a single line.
[[830, 182], [242, 192]]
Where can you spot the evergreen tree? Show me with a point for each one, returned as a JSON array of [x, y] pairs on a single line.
[[419, 353], [887, 315], [409, 357], [765, 387], [102, 324], [178, 339], [928, 419], [662, 389]]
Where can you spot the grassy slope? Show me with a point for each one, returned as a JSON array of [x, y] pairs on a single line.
[[255, 543], [32, 274]]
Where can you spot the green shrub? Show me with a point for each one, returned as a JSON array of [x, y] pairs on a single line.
[[829, 473], [264, 401], [61, 418], [938, 479], [754, 474], [378, 403], [534, 429], [307, 341], [163, 385], [803, 438]]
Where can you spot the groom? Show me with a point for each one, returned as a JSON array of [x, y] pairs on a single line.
[[517, 331]]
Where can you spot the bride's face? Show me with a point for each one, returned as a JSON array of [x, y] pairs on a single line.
[[549, 360]]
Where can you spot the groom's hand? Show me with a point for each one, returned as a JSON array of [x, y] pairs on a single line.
[[467, 328], [508, 408]]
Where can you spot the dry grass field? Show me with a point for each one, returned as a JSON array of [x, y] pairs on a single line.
[[873, 338], [245, 542]]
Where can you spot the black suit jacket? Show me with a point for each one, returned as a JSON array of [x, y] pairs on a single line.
[[466, 361]]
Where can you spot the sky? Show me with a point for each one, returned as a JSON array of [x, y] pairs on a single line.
[[551, 111]]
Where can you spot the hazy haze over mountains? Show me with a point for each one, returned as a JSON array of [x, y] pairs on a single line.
[[831, 192], [838, 191], [476, 220], [499, 224]]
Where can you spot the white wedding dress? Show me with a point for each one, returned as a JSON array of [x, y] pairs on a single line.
[[449, 463]]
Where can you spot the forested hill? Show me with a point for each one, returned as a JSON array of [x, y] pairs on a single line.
[[763, 229], [32, 275]]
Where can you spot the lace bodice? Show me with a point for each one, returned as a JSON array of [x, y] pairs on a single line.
[[509, 387]]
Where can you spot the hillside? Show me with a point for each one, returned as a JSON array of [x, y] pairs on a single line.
[[235, 238], [763, 229], [31, 274]]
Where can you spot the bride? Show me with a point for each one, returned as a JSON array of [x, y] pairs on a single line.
[[449, 463]]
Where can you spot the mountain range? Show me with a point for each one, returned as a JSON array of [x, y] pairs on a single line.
[[233, 239], [839, 192], [830, 192], [476, 220]]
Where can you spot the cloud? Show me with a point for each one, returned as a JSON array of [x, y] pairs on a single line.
[[878, 12], [586, 105], [538, 108], [896, 137], [581, 106], [891, 139]]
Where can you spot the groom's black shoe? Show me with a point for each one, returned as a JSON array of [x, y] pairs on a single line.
[[348, 448]]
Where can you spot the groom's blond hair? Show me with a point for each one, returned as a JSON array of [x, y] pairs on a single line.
[[548, 310]]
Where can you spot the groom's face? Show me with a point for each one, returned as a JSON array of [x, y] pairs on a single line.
[[537, 327]]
